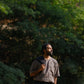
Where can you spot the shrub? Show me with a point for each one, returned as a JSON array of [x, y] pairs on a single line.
[[9, 75]]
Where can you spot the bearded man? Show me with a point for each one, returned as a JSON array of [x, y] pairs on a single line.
[[45, 69]]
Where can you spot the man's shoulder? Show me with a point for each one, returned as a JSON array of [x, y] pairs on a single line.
[[40, 57], [54, 60]]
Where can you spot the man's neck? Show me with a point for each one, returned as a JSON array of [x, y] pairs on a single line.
[[47, 57]]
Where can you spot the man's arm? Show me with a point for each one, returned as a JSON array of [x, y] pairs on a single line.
[[55, 80], [39, 70]]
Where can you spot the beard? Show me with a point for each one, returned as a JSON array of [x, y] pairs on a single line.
[[50, 53]]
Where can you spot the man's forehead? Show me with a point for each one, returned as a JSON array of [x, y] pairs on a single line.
[[49, 46]]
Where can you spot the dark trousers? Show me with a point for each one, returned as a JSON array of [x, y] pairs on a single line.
[[39, 82]]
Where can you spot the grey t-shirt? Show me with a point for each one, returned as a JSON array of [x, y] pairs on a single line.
[[49, 73]]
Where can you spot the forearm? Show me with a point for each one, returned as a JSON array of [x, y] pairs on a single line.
[[35, 73], [55, 81]]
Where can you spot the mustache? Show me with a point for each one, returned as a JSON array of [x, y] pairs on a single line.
[[50, 53]]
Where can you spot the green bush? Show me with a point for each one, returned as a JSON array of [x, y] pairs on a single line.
[[10, 75]]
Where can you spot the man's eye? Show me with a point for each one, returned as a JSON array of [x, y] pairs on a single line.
[[49, 48]]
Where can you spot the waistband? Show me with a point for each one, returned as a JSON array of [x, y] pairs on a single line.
[[42, 82]]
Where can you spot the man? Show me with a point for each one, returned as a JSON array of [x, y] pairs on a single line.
[[45, 69]]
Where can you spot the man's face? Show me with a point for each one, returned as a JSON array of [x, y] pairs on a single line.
[[49, 50]]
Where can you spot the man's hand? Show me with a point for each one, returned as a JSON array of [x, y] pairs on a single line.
[[37, 72], [42, 67]]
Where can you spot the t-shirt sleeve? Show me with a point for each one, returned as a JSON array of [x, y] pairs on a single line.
[[57, 72], [34, 66]]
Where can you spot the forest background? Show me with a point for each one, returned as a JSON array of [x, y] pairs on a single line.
[[26, 24]]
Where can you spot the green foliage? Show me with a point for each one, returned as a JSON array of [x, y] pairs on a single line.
[[4, 8], [10, 75], [16, 8], [59, 22], [54, 14]]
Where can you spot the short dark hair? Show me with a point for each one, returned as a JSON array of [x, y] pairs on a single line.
[[44, 47]]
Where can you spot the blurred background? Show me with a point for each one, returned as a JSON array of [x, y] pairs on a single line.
[[26, 24]]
